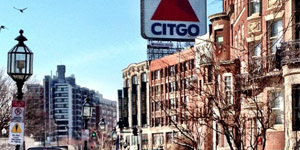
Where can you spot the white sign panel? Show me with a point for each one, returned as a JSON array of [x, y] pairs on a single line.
[[173, 19], [16, 133], [18, 108], [85, 134]]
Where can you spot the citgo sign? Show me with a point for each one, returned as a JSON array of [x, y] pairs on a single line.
[[173, 19]]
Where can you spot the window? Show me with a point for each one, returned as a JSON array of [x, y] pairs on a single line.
[[219, 41], [192, 66], [243, 33], [169, 137], [258, 125], [172, 70], [144, 77], [134, 140], [225, 144], [296, 107], [134, 80], [243, 67], [210, 73], [157, 106], [172, 103], [157, 121], [255, 129], [238, 6], [297, 19], [157, 74], [257, 50], [186, 66], [173, 119], [254, 7], [277, 107], [157, 90], [158, 139], [239, 40], [153, 106], [228, 88], [275, 35], [236, 41], [186, 100], [172, 87], [144, 141]]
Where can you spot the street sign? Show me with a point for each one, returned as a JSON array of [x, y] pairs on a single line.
[[16, 133], [173, 19], [85, 134], [17, 114]]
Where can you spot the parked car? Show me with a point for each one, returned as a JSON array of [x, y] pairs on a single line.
[[45, 148]]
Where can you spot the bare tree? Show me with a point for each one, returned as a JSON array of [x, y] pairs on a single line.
[[208, 105], [6, 95], [237, 114]]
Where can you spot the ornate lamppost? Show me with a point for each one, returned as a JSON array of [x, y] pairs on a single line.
[[19, 65], [114, 136], [87, 115], [102, 125]]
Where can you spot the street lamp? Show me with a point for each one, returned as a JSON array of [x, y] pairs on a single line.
[[102, 125], [114, 136], [19, 65], [87, 115]]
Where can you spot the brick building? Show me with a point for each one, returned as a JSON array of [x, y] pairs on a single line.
[[255, 45], [169, 94], [106, 109], [147, 105], [236, 89]]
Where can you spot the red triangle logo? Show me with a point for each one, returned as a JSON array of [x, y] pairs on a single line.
[[175, 10]]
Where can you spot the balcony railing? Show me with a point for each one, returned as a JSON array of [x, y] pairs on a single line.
[[288, 53]]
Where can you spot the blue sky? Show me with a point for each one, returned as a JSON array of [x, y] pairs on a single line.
[[95, 39]]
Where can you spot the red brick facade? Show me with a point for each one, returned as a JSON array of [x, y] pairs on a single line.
[[252, 34]]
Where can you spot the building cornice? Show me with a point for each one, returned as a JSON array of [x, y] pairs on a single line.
[[218, 16], [136, 68]]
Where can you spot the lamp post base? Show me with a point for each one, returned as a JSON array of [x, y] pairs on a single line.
[[85, 145], [17, 147]]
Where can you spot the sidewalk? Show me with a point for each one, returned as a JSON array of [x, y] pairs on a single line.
[[4, 144]]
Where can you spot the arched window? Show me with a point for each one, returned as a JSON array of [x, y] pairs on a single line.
[[144, 77], [134, 80]]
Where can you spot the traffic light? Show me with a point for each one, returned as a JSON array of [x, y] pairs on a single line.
[[135, 131], [93, 134]]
